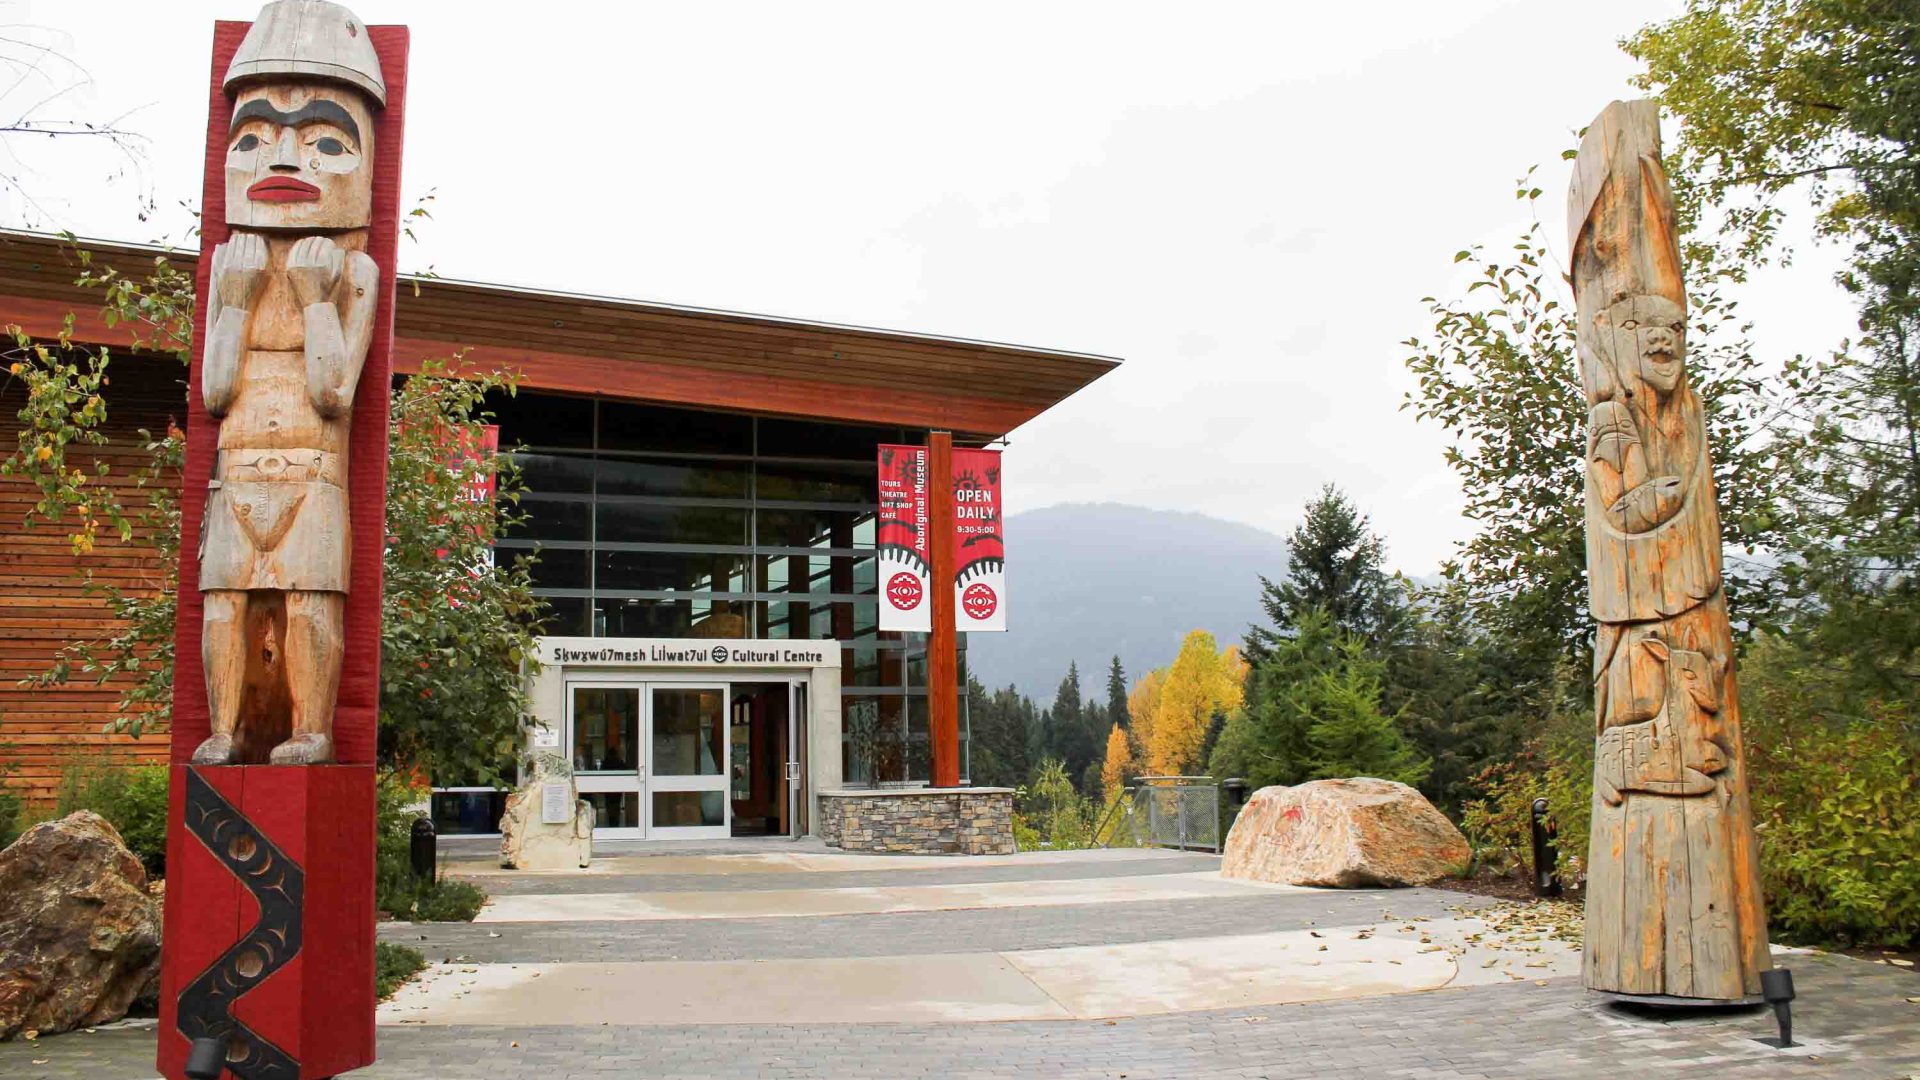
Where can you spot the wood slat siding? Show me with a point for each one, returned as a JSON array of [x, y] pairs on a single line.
[[43, 605]]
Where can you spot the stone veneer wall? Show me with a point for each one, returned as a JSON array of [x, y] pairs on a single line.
[[919, 821]]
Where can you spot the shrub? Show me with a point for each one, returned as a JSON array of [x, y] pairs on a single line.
[[133, 798], [396, 890], [12, 809], [1050, 813], [1834, 802], [1830, 773], [393, 965]]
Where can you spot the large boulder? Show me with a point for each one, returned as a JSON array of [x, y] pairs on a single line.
[[1343, 834], [530, 838], [79, 934]]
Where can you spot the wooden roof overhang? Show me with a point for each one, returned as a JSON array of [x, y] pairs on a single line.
[[636, 351]]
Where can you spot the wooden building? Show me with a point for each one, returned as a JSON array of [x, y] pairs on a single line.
[[630, 413]]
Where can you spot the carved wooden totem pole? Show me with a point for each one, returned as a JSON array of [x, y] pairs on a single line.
[[268, 961], [1673, 894]]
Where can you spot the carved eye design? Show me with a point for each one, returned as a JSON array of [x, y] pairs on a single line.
[[247, 142], [1630, 324], [329, 146]]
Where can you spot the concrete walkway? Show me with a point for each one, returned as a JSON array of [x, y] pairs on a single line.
[[778, 962]]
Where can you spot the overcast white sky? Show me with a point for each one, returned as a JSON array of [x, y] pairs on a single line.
[[1246, 202]]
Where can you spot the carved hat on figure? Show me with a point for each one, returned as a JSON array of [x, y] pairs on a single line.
[[300, 149]]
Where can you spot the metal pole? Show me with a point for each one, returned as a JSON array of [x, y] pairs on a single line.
[[1546, 879]]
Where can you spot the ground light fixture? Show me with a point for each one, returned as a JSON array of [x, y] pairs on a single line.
[[1776, 985]]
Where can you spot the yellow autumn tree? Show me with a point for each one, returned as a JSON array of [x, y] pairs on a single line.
[[1118, 767], [1203, 681], [1142, 703]]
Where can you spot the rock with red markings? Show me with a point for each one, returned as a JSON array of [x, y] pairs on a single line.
[[1343, 834]]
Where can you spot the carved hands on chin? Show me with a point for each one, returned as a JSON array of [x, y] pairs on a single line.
[[313, 269], [240, 269]]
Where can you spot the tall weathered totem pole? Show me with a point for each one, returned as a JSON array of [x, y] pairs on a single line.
[[1673, 894], [268, 962]]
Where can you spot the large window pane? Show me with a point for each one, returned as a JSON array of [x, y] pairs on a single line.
[[606, 729], [561, 568], [682, 809], [688, 726], [646, 523], [554, 474], [614, 809], [629, 426], [562, 518], [694, 479], [566, 617], [848, 482], [696, 616], [793, 527], [670, 572], [546, 420], [818, 574], [801, 438]]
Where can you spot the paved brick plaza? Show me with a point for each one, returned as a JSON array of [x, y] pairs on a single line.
[[1854, 1016]]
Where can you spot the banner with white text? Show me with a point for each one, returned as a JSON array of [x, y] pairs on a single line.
[[979, 546], [901, 537]]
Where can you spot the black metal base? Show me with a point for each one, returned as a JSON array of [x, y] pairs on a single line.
[[1673, 1001]]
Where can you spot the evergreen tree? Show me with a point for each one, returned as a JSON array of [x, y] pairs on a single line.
[[1070, 736], [1348, 734], [1117, 693], [1336, 564]]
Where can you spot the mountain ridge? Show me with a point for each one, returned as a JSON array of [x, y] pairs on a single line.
[[1089, 581]]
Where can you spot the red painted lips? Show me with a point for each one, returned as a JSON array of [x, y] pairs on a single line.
[[283, 189]]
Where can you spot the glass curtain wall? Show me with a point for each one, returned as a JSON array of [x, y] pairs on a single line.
[[652, 521]]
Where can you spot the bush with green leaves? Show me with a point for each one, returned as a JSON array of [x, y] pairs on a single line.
[[133, 799], [397, 891], [1834, 801], [1049, 813], [393, 965]]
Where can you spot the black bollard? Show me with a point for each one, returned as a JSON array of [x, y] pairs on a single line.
[[1777, 987], [422, 848], [206, 1059], [1546, 879]]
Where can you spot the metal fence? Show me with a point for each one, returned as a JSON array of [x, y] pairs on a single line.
[[1166, 811]]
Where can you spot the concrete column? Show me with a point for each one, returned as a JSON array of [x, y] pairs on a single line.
[[823, 739]]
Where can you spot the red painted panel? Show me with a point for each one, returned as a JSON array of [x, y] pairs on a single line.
[[205, 913]]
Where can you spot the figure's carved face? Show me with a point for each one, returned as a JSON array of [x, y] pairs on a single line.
[[300, 156], [1650, 340]]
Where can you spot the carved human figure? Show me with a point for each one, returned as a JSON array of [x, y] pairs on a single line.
[[1673, 901], [289, 321]]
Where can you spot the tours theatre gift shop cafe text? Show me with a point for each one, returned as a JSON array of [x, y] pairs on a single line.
[[705, 497]]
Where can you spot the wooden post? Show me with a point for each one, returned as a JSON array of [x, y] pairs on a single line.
[[268, 949], [943, 659], [1673, 890]]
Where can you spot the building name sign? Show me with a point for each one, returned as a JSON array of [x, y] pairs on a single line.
[[648, 652]]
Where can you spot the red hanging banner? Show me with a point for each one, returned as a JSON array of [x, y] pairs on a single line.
[[901, 538], [979, 545]]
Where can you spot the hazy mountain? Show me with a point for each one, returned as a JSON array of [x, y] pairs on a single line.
[[1089, 581]]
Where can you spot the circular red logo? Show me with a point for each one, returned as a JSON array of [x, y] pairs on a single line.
[[979, 601], [903, 591]]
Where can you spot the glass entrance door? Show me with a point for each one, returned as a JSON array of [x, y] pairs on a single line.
[[609, 763], [686, 789]]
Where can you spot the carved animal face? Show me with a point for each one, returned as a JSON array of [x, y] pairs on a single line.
[[1692, 670], [300, 156], [1649, 339]]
